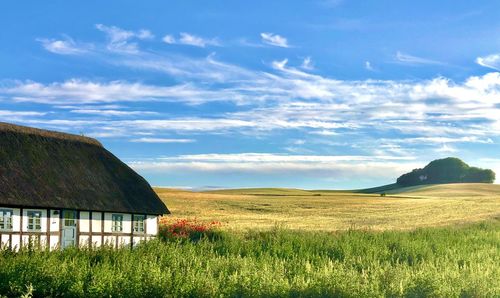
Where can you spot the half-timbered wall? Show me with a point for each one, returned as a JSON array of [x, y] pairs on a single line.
[[92, 228]]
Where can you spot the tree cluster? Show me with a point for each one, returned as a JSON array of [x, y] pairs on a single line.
[[447, 170]]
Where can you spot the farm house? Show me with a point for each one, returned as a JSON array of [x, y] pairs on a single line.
[[59, 190]]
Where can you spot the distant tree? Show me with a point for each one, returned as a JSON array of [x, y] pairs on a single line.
[[447, 170]]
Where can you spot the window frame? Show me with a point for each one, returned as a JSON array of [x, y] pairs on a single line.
[[6, 224], [33, 226], [71, 220], [116, 222], [139, 221]]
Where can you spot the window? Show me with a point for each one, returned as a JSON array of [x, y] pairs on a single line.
[[69, 218], [34, 220], [117, 222], [139, 223], [5, 219]]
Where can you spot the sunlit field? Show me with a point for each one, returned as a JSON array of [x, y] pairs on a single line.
[[432, 241], [400, 209]]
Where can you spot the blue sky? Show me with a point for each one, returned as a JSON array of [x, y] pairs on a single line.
[[306, 94]]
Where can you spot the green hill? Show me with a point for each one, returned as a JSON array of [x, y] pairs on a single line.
[[446, 170]]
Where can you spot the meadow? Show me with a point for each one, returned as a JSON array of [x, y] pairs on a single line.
[[323, 210], [433, 241], [427, 262]]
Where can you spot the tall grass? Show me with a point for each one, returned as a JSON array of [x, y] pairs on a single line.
[[439, 262]]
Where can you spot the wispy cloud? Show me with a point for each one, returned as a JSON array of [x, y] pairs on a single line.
[[76, 91], [191, 40], [65, 46], [274, 40], [307, 64], [106, 112], [170, 39], [414, 60], [162, 140], [446, 149], [368, 66], [299, 100], [315, 105], [7, 113], [119, 39], [269, 163], [490, 61]]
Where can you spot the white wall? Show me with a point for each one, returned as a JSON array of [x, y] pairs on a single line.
[[53, 226], [96, 222], [96, 240], [127, 223], [54, 220], [54, 242], [4, 241], [16, 219], [152, 225], [16, 241], [84, 240], [84, 221]]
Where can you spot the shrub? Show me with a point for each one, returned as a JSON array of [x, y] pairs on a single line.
[[187, 229]]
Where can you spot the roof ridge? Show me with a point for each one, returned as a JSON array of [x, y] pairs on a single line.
[[48, 133]]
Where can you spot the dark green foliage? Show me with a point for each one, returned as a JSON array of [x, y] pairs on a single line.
[[447, 170], [433, 262]]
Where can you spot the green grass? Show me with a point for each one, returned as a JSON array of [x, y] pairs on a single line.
[[429, 262]]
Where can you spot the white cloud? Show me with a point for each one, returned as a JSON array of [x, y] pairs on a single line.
[[9, 113], [170, 39], [119, 39], [368, 66], [273, 157], [274, 40], [145, 34], [446, 149], [280, 64], [268, 163], [324, 132], [490, 61], [162, 140], [64, 47], [298, 100], [106, 112], [193, 40], [20, 117], [443, 140], [190, 40], [86, 92], [187, 68], [414, 60], [307, 64]]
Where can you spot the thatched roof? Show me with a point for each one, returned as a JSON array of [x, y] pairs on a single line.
[[40, 168]]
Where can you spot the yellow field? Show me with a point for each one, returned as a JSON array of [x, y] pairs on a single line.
[[404, 208]]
